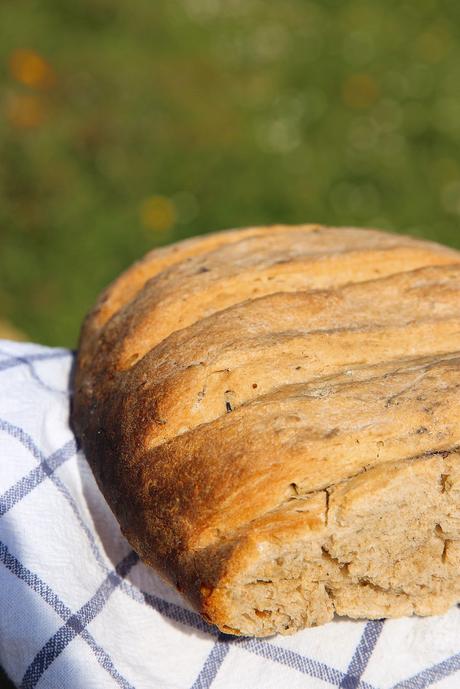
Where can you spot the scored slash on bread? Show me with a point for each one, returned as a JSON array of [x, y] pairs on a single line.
[[272, 415]]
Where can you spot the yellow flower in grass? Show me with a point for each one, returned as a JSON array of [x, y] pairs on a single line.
[[31, 69], [158, 213], [360, 91]]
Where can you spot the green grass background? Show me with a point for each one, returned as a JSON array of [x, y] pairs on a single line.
[[234, 112]]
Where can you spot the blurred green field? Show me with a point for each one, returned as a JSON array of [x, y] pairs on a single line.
[[128, 125]]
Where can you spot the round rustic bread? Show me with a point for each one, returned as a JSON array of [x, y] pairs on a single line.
[[273, 415]]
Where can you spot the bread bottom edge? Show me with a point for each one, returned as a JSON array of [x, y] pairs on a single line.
[[383, 544]]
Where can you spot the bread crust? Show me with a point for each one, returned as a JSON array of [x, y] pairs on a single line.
[[251, 401]]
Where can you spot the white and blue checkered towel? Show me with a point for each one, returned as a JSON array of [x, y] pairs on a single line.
[[78, 610]]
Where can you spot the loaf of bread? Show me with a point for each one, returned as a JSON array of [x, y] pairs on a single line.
[[273, 415]]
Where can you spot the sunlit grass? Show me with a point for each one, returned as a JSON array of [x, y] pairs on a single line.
[[128, 125]]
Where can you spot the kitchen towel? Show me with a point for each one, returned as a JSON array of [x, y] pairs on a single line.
[[78, 610]]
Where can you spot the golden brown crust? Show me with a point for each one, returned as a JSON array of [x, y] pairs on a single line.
[[221, 381]]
